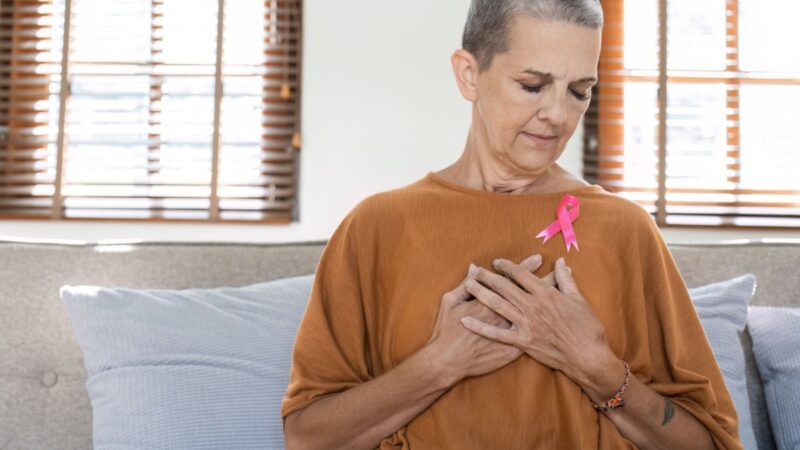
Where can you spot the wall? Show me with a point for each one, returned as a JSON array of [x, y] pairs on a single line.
[[380, 109]]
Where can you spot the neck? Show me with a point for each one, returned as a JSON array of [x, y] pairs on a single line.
[[479, 168]]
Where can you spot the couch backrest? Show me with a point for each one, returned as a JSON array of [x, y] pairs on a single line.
[[774, 263], [43, 401]]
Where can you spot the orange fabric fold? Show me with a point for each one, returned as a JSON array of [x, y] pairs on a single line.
[[379, 283]]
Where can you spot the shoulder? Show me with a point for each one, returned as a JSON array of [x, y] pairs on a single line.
[[383, 205], [631, 231], [623, 220], [621, 212]]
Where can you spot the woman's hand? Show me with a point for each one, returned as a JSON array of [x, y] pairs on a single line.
[[459, 353], [554, 325]]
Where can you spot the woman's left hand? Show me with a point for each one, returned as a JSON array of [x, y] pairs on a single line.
[[554, 325]]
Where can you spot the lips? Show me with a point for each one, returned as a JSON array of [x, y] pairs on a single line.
[[540, 139], [540, 136]]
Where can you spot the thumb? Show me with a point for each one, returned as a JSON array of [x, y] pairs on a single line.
[[563, 274]]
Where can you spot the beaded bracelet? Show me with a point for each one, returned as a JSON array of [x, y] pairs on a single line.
[[616, 401]]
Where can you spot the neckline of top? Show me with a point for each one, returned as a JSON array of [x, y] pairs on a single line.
[[438, 179]]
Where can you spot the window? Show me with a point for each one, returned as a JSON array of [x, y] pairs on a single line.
[[702, 134], [162, 110]]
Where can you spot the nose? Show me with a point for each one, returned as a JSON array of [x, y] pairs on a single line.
[[553, 108]]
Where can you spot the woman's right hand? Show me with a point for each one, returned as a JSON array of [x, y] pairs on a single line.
[[456, 351]]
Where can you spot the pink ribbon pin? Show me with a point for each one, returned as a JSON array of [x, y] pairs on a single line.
[[564, 222]]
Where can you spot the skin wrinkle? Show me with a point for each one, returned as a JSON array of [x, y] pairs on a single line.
[[497, 156]]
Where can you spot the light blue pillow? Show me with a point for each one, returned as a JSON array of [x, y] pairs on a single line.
[[776, 347], [191, 368], [722, 308]]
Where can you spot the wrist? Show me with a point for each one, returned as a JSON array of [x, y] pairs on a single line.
[[603, 378], [437, 371]]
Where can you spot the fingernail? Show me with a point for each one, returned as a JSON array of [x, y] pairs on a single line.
[[473, 269], [469, 283], [495, 262]]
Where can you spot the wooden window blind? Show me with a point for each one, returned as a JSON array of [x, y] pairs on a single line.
[[154, 110], [693, 113]]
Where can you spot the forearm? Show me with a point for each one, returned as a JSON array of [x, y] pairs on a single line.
[[363, 415], [648, 419]]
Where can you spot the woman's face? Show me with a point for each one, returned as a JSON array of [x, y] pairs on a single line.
[[531, 99]]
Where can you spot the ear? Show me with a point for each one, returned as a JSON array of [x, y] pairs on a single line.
[[465, 68]]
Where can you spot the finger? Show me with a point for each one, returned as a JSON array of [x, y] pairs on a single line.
[[532, 263], [457, 295], [493, 301], [506, 336], [566, 283], [530, 282], [503, 286]]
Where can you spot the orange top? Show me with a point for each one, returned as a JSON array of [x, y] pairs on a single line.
[[380, 280]]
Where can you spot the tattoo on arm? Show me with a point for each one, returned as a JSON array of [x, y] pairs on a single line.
[[669, 411]]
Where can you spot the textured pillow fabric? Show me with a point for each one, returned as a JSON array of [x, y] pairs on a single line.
[[722, 308], [776, 346], [191, 368]]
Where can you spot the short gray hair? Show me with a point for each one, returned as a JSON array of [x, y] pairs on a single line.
[[486, 32]]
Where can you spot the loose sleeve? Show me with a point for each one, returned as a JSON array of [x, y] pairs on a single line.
[[682, 364], [330, 353]]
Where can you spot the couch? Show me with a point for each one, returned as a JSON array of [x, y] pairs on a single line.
[[43, 400]]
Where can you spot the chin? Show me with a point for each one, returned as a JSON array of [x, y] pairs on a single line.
[[535, 163], [534, 153]]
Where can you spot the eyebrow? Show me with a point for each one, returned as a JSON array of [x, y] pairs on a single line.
[[549, 76]]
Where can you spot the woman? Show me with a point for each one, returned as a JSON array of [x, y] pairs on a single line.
[[590, 347]]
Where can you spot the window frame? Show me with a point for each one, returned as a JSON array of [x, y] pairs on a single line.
[[604, 124], [273, 9]]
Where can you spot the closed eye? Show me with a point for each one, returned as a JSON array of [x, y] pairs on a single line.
[[534, 89], [538, 89], [583, 97]]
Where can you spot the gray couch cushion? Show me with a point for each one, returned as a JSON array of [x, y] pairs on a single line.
[[755, 392], [188, 368], [722, 308], [776, 340]]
